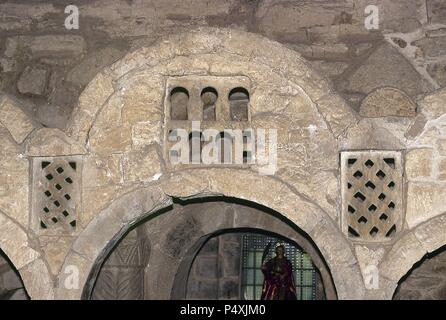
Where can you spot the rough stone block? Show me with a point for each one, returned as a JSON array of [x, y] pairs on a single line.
[[432, 105], [419, 163], [85, 71], [436, 11], [432, 234], [33, 80], [47, 142], [15, 119], [385, 67], [385, 102], [142, 166], [424, 201], [441, 147], [442, 170], [102, 171]]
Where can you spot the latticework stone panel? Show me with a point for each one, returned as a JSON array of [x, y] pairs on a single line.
[[371, 194], [56, 194]]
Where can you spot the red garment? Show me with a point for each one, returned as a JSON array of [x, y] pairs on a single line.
[[279, 280]]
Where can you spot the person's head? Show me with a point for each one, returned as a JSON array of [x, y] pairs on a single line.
[[280, 250]]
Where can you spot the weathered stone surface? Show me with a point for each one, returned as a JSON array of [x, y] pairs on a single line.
[[33, 81], [140, 104], [15, 119], [325, 239], [20, 16], [46, 45], [46, 142], [53, 116], [96, 199], [14, 242], [424, 201], [55, 249], [442, 170], [325, 52], [123, 117], [91, 99], [419, 163], [109, 133], [9, 146], [102, 171], [441, 147], [436, 11], [427, 138], [416, 127], [337, 113], [437, 70], [427, 279], [61, 92], [14, 188], [207, 268], [146, 133], [431, 234], [142, 165], [119, 284], [394, 15], [368, 258], [385, 67], [85, 71], [67, 287], [41, 287], [385, 102], [285, 18], [432, 105], [401, 257], [329, 69], [432, 47]]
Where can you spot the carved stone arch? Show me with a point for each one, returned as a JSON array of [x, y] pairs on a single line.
[[410, 249], [32, 268], [179, 287], [188, 53], [102, 233]]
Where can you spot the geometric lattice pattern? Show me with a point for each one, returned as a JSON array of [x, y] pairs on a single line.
[[56, 193], [372, 194]]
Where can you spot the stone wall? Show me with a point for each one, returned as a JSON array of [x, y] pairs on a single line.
[[116, 145], [48, 66], [147, 261], [427, 280], [215, 273]]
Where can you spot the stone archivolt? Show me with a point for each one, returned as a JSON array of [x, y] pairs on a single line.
[[116, 131]]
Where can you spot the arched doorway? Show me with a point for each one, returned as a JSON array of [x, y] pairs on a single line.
[[154, 260], [228, 266]]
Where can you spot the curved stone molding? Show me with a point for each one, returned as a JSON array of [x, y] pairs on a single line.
[[34, 272], [109, 225], [201, 46], [411, 248]]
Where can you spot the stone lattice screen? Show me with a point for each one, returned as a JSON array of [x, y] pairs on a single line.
[[371, 194], [56, 194]]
